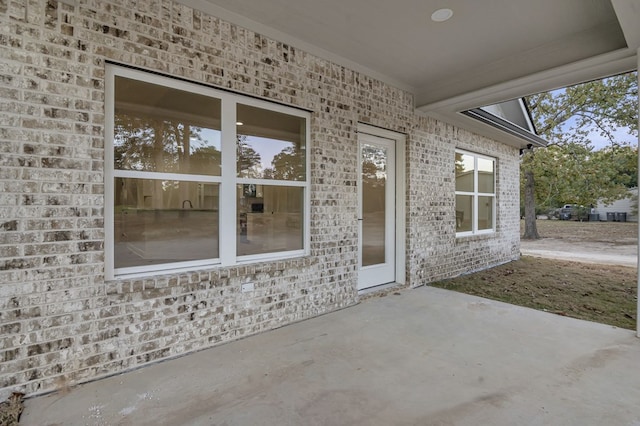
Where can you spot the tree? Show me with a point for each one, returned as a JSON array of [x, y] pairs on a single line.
[[249, 161], [145, 142], [575, 174], [568, 119], [288, 164], [626, 160]]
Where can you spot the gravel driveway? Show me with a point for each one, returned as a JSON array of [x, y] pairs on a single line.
[[589, 252]]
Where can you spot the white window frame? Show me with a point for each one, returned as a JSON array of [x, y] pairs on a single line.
[[227, 181], [475, 194]]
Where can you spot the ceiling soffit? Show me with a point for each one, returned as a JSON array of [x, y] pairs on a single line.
[[572, 49], [482, 55]]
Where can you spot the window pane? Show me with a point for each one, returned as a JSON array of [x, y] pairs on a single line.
[[485, 213], [160, 221], [464, 213], [374, 183], [270, 145], [270, 219], [464, 172], [485, 175], [160, 129]]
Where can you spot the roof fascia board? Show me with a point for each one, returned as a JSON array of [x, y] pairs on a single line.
[[472, 125], [505, 126]]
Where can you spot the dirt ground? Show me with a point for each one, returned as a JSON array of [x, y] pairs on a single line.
[[623, 233], [584, 270], [611, 243]]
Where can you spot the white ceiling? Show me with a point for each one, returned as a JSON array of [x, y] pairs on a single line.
[[489, 51]]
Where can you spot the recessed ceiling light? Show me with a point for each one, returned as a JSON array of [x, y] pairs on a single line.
[[239, 123], [441, 15]]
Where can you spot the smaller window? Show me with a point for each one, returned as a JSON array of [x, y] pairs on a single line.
[[475, 193]]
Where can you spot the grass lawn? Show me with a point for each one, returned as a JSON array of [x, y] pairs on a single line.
[[600, 293]]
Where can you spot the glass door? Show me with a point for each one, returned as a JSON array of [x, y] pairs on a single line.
[[376, 194]]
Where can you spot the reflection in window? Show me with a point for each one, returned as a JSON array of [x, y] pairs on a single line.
[[168, 196], [162, 221], [475, 193], [485, 175], [270, 219], [464, 213], [465, 167], [270, 145], [160, 129], [485, 213], [374, 180]]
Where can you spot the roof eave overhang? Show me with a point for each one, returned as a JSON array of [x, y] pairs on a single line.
[[461, 111], [526, 136], [492, 127]]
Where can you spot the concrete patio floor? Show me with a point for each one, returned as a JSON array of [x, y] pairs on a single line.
[[425, 356]]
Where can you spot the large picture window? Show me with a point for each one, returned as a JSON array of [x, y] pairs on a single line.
[[475, 193], [198, 177]]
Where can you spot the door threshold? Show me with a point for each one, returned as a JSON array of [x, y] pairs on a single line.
[[379, 288]]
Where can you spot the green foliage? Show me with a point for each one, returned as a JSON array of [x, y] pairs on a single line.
[[569, 171], [571, 114], [575, 174], [624, 160], [288, 164]]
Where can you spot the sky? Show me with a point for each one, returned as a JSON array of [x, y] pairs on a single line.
[[267, 148], [598, 142], [621, 135]]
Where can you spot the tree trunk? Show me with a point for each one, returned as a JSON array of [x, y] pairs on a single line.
[[530, 228]]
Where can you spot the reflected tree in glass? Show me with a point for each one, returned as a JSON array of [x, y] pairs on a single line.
[[248, 159], [374, 179], [288, 164], [160, 129], [153, 144]]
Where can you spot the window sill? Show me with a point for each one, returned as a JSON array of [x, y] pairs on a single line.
[[239, 269], [464, 237]]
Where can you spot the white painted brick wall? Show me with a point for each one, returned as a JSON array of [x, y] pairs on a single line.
[[60, 322]]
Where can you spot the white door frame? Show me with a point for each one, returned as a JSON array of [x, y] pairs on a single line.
[[400, 198]]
